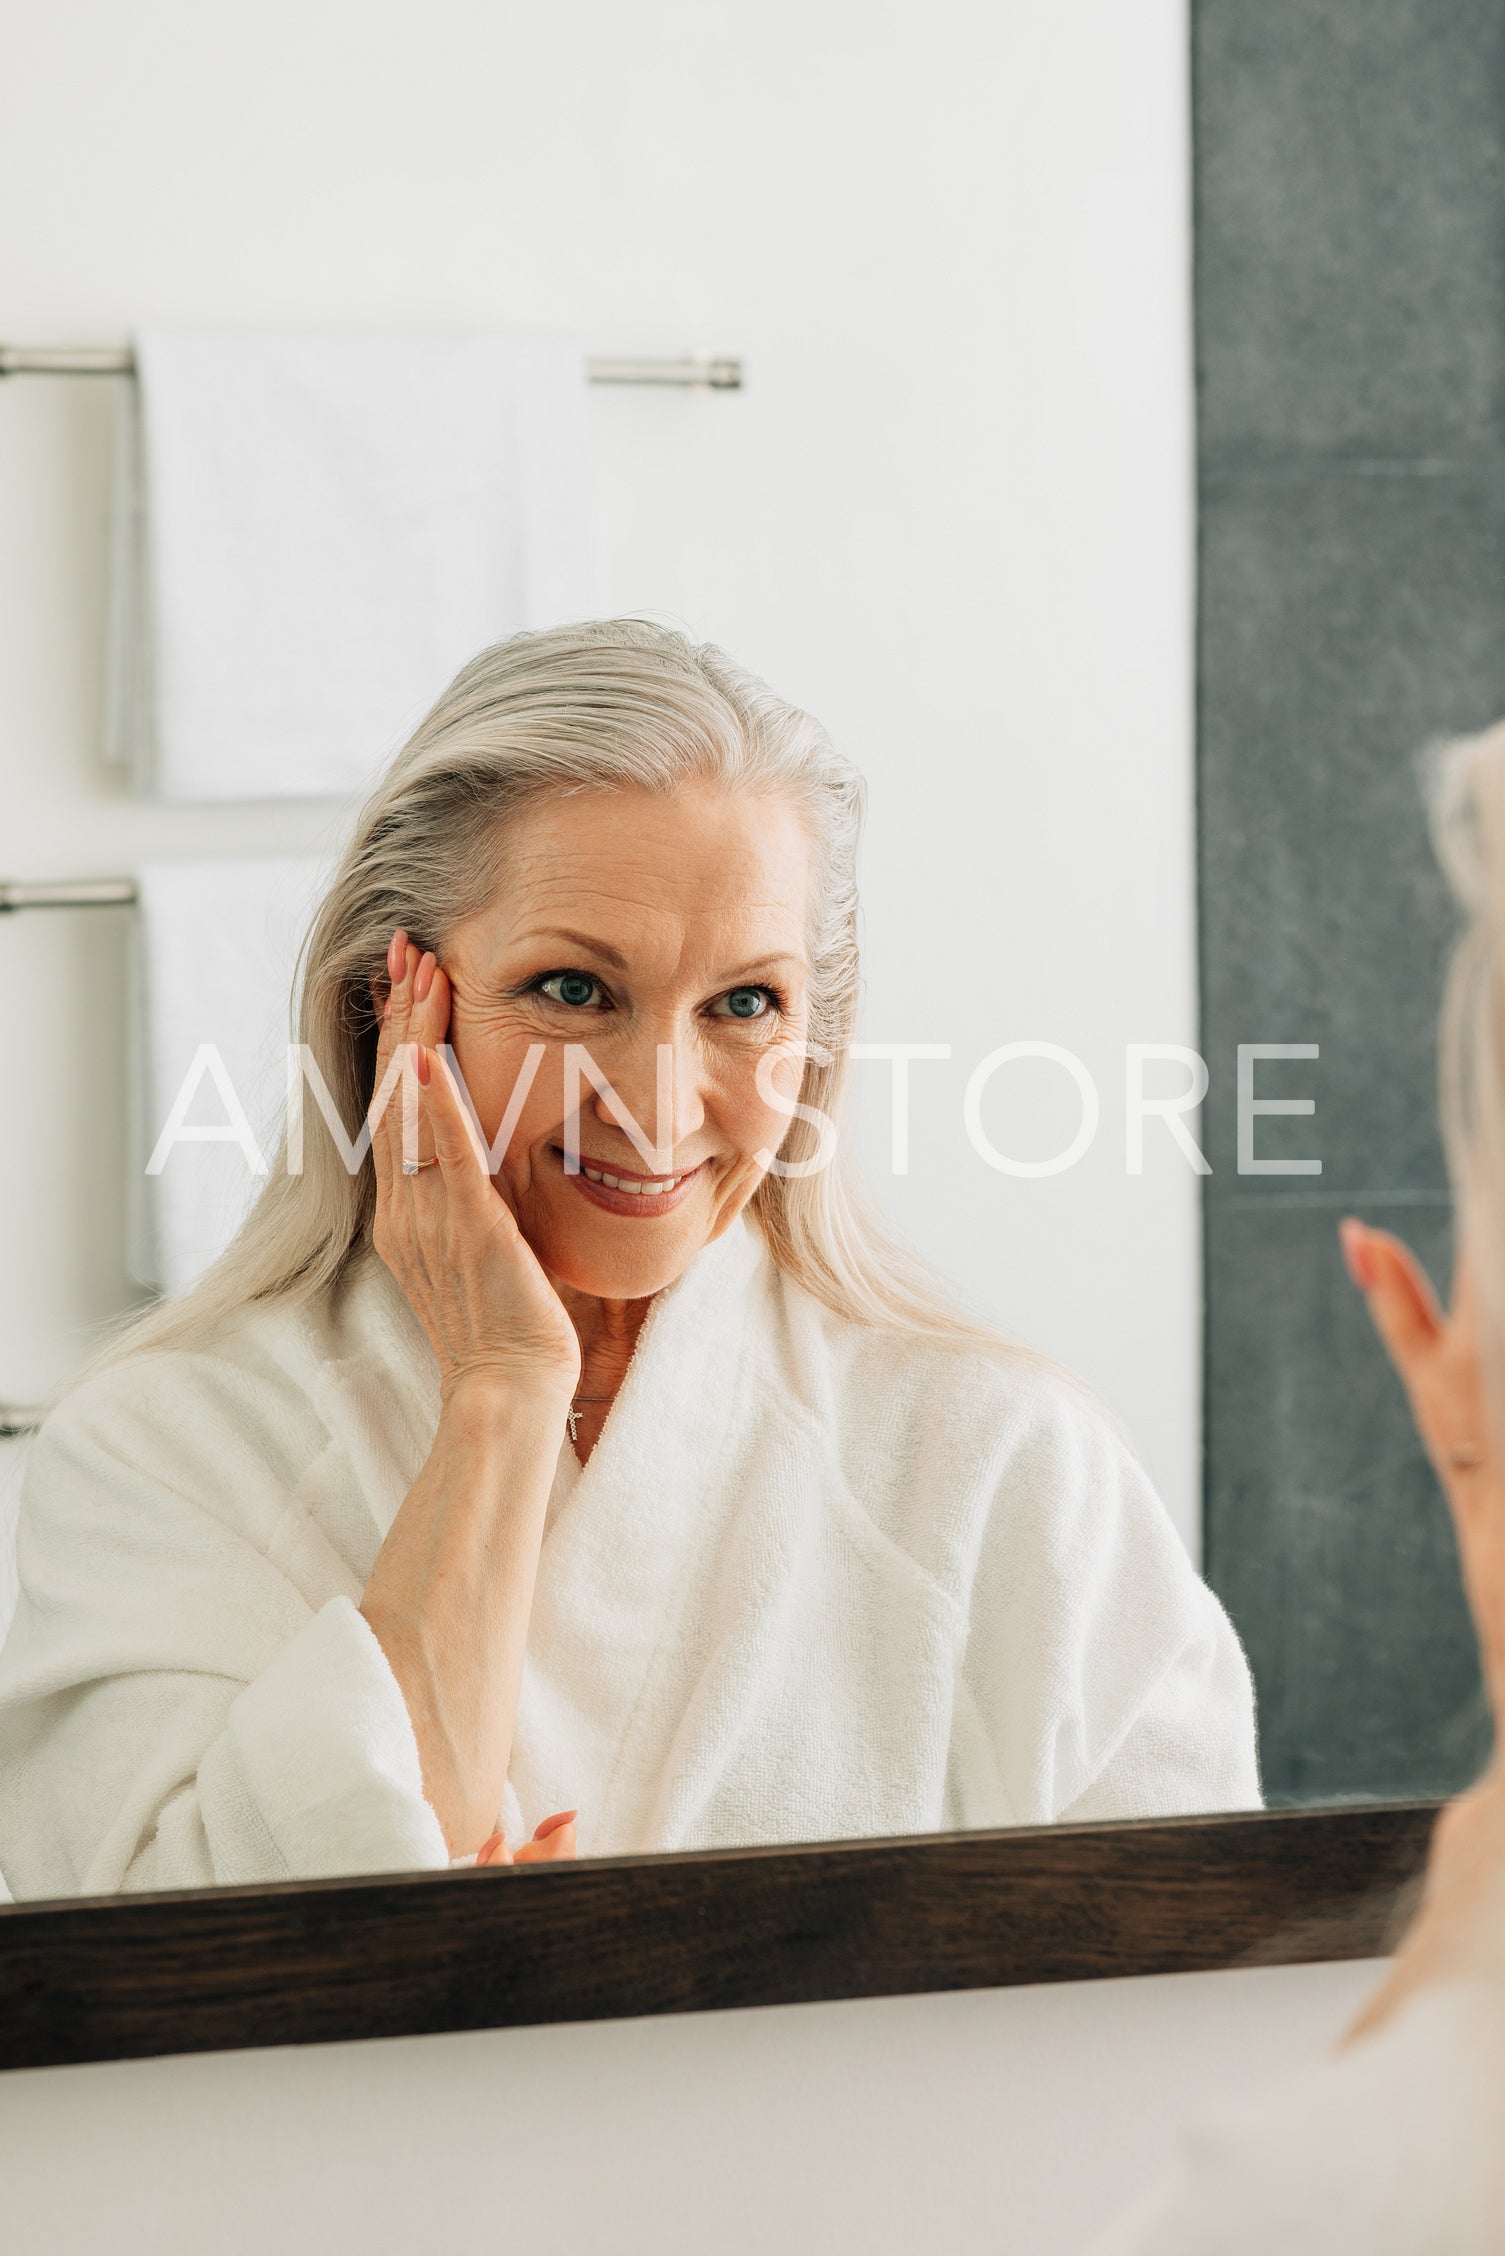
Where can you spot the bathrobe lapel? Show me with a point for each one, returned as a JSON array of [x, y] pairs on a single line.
[[621, 1562]]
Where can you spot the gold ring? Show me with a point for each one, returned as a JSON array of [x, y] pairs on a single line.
[[416, 1166]]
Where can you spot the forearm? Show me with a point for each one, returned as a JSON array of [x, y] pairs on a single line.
[[450, 1595]]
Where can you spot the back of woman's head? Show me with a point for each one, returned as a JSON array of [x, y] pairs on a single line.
[[1467, 790]]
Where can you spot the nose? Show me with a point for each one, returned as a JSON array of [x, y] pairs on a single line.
[[654, 1085]]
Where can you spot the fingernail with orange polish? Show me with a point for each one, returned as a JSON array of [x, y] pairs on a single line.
[[552, 1824], [1353, 1238]]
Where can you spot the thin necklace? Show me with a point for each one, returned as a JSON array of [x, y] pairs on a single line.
[[572, 1415]]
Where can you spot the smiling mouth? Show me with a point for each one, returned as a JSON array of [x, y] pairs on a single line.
[[636, 1186], [617, 1184]]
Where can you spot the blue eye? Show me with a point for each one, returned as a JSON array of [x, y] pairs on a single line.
[[744, 1002], [576, 988]]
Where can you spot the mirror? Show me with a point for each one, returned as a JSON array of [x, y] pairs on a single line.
[[568, 1518]]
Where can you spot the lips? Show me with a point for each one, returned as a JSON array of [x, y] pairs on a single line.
[[619, 1191]]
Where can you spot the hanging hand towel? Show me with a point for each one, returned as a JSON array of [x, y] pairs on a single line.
[[217, 944], [315, 530], [12, 1461]]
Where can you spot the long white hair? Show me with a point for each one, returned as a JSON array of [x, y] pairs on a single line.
[[613, 704], [1467, 793]]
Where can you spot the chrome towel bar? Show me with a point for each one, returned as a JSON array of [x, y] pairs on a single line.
[[68, 893], [694, 372]]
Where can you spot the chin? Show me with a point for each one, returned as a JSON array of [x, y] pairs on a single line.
[[587, 1261]]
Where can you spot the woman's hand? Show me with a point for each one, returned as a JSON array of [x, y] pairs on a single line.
[[553, 1842], [446, 1233], [1460, 1927], [450, 1595], [1437, 1355]]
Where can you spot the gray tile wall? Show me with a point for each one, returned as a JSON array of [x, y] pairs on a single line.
[[1350, 290]]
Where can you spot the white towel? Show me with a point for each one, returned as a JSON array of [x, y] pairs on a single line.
[[12, 1460], [314, 531], [217, 946]]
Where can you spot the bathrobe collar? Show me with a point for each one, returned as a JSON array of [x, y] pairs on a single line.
[[614, 1570]]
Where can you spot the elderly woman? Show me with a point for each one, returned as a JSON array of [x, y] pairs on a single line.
[[1392, 2145], [593, 1449]]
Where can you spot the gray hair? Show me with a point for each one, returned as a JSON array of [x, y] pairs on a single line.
[[1467, 802], [612, 704]]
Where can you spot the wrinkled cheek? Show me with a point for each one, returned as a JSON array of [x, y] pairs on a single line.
[[542, 1110], [731, 1194], [750, 1127], [757, 1148]]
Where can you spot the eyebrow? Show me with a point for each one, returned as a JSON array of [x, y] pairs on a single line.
[[618, 961], [577, 940], [770, 963]]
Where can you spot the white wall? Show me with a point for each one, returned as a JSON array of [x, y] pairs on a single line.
[[951, 513], [989, 2123]]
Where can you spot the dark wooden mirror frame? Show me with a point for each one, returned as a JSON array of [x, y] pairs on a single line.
[[299, 1962]]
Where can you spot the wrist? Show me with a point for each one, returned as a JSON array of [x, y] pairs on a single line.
[[493, 1393], [502, 1431]]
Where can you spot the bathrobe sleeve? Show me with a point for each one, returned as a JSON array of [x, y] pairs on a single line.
[[189, 1694], [1105, 1675]]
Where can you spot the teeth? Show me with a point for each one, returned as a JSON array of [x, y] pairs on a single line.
[[633, 1189]]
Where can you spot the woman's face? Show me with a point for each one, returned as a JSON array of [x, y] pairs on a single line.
[[635, 923]]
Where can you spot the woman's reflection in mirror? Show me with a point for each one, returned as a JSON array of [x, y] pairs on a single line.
[[480, 1510]]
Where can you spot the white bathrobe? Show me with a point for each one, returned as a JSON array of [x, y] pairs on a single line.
[[815, 1582]]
